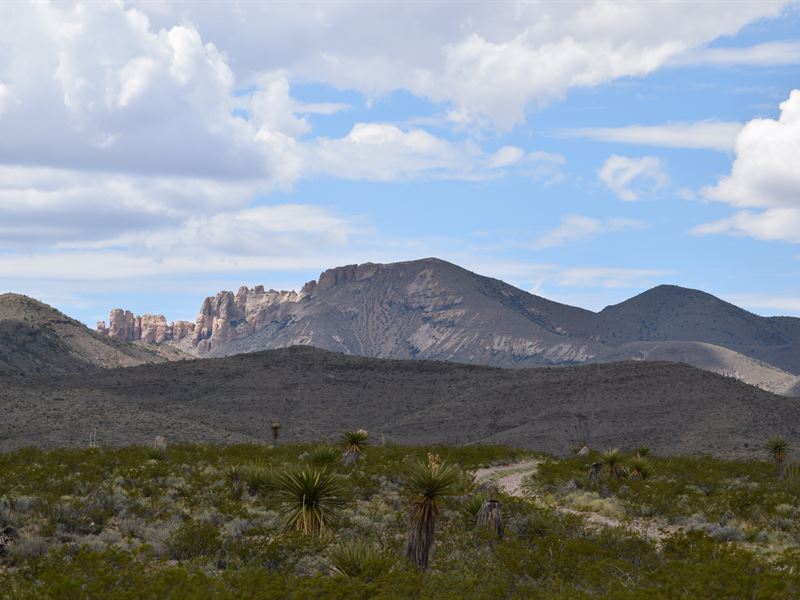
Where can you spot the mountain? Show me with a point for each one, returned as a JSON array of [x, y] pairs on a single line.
[[36, 338], [711, 358], [432, 309], [316, 394], [669, 312]]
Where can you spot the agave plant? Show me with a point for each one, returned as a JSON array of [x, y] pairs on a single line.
[[778, 448], [358, 558], [428, 484], [312, 499], [639, 468], [611, 460], [353, 444]]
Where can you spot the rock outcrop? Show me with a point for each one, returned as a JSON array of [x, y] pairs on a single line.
[[432, 309], [124, 326]]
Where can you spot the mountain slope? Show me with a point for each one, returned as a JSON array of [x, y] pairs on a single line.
[[427, 309], [711, 358], [432, 309], [36, 338], [674, 313], [316, 394]]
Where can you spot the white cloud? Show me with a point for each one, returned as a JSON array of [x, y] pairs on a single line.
[[630, 178], [765, 178], [575, 228], [759, 55], [711, 135], [485, 58], [780, 304], [605, 277], [385, 152]]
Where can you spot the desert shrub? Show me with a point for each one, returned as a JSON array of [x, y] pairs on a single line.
[[359, 558], [258, 477], [193, 540], [323, 456]]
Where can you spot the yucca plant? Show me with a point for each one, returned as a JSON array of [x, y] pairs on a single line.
[[639, 468], [312, 499], [358, 558], [276, 431], [642, 451], [611, 460], [323, 456], [353, 444], [491, 516], [778, 448], [469, 508], [428, 484]]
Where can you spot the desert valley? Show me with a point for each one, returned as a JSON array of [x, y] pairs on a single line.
[[355, 300]]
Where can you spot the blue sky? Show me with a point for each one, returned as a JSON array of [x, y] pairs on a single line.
[[153, 154]]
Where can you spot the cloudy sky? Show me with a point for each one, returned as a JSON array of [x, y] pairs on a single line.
[[153, 153]]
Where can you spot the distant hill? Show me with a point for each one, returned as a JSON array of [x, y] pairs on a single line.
[[711, 358], [316, 394], [36, 338], [432, 309], [672, 313]]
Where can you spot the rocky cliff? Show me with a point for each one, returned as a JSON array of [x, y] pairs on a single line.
[[124, 326], [432, 309]]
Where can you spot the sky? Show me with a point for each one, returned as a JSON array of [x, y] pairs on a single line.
[[155, 153]]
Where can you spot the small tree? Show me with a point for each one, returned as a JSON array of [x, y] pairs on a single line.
[[276, 430], [778, 448], [428, 484]]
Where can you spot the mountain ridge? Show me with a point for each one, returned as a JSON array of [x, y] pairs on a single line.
[[433, 309], [37, 338]]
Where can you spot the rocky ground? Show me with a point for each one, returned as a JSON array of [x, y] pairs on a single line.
[[316, 394]]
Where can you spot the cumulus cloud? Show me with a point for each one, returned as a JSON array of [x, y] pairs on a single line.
[[711, 135], [759, 55], [764, 179], [575, 228], [630, 178], [385, 152], [486, 58]]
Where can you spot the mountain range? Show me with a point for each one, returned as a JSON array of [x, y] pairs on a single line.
[[435, 310]]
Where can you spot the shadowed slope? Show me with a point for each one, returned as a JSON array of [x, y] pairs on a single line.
[[316, 394], [36, 338]]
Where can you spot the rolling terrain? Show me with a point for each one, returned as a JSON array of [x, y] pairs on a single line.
[[36, 338], [431, 309], [672, 408]]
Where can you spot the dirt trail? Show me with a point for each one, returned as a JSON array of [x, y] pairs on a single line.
[[508, 478]]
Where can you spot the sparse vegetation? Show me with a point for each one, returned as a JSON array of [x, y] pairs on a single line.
[[112, 523], [429, 483], [778, 448], [353, 444], [312, 497]]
